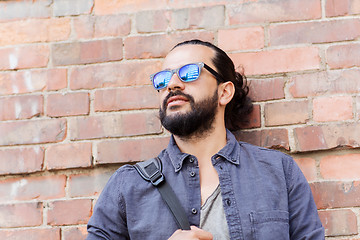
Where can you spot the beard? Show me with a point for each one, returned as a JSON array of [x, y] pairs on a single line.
[[197, 122]]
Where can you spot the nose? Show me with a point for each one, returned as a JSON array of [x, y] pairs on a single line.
[[175, 83]]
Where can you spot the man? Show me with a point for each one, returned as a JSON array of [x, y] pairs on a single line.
[[229, 189]]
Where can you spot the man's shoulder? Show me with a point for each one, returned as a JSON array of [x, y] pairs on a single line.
[[124, 176], [129, 173], [126, 169], [262, 150], [265, 155]]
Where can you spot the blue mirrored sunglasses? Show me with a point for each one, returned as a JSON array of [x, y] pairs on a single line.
[[187, 73]]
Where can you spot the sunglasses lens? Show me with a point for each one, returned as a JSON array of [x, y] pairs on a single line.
[[161, 79], [189, 72]]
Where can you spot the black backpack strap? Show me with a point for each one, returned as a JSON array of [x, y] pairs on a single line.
[[151, 170]]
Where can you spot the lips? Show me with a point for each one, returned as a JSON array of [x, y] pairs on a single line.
[[176, 99]]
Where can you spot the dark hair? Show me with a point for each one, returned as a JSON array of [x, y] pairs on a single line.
[[237, 111]]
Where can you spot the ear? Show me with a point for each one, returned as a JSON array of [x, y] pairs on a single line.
[[226, 92]]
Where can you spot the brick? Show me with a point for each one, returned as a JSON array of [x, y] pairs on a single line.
[[72, 155], [340, 166], [24, 57], [336, 108], [266, 89], [33, 131], [274, 11], [129, 150], [320, 83], [105, 7], [152, 21], [185, 18], [310, 138], [89, 184], [284, 113], [314, 32], [68, 7], [20, 215], [14, 10], [156, 46], [74, 233], [254, 120], [343, 56], [21, 160], [83, 26], [339, 222], [358, 107], [56, 79], [102, 26], [31, 234], [176, 4], [278, 61], [128, 98], [115, 125], [336, 8], [328, 136], [63, 104], [354, 7], [105, 27], [308, 167], [34, 30], [269, 138], [69, 212], [180, 19], [122, 74], [21, 107], [336, 194], [30, 81], [355, 238], [30, 188], [241, 38], [86, 52], [204, 17]]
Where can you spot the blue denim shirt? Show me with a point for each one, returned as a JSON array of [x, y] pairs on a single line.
[[265, 196]]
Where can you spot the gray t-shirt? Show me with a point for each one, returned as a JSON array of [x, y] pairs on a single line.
[[212, 216]]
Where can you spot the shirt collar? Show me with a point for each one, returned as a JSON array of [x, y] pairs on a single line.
[[231, 152]]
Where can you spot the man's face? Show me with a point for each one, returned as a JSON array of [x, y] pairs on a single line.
[[189, 108]]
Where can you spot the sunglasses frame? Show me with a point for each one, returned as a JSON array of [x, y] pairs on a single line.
[[176, 70]]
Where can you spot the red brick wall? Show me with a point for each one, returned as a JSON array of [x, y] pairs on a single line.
[[75, 99]]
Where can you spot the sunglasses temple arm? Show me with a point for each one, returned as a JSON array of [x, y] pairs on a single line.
[[213, 72]]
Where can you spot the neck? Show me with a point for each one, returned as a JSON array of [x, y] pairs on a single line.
[[203, 146]]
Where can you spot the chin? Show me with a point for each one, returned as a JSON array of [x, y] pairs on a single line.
[[176, 109], [174, 113]]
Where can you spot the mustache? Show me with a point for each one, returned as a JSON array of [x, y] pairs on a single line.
[[177, 93]]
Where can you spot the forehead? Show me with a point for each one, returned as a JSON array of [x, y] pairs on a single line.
[[188, 54]]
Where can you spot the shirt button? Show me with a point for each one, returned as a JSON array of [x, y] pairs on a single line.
[[191, 160], [194, 211], [192, 174], [228, 202]]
